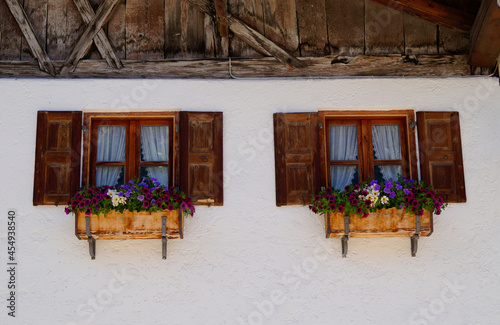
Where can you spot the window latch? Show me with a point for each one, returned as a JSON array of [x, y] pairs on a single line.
[[85, 129], [413, 124], [320, 125]]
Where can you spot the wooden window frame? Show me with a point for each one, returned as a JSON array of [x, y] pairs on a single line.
[[364, 120], [132, 121]]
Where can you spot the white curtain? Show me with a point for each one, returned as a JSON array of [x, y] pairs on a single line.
[[387, 146], [154, 145], [343, 146], [110, 147]]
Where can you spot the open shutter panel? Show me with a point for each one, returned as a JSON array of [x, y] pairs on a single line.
[[296, 157], [441, 163], [57, 157], [201, 157]]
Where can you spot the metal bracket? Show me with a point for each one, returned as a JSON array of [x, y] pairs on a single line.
[[164, 237], [415, 237], [345, 238], [90, 239]]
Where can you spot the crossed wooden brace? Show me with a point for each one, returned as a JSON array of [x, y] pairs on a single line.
[[93, 32]]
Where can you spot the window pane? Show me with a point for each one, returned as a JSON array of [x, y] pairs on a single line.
[[343, 175], [158, 172], [111, 143], [109, 176], [386, 142], [343, 142], [386, 172], [154, 143]]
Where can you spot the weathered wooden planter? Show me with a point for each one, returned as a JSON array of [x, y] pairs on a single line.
[[383, 223], [130, 225]]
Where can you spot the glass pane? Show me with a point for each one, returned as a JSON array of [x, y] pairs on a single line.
[[154, 143], [386, 142], [386, 172], [158, 172], [341, 176], [111, 143], [343, 142], [109, 176]]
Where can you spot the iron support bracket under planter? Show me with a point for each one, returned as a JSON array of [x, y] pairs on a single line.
[[90, 239], [345, 238], [415, 237], [164, 237]]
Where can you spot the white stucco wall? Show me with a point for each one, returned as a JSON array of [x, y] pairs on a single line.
[[250, 262]]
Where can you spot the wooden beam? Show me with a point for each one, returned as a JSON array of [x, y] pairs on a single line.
[[318, 67], [83, 46], [434, 12], [221, 17], [251, 36], [485, 36], [38, 52], [101, 40]]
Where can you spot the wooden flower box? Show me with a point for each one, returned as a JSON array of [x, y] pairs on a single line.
[[129, 225], [383, 223]]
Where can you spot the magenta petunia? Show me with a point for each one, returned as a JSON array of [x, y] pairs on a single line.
[[149, 196], [67, 210], [183, 206], [333, 207], [359, 210], [170, 207], [341, 208], [88, 211], [145, 204]]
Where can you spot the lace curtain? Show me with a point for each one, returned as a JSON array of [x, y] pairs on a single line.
[[154, 145], [387, 146], [344, 146], [110, 147]]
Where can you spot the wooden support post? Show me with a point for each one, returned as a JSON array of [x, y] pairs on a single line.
[[101, 40], [24, 24], [85, 42]]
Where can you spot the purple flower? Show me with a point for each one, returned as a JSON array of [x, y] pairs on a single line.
[[341, 208], [399, 187], [359, 210], [354, 201], [140, 197], [376, 187], [333, 207], [145, 204], [356, 187], [388, 184], [406, 191], [190, 206], [90, 191], [170, 207], [387, 190], [183, 206], [145, 190], [149, 196], [402, 205], [67, 210], [95, 201], [415, 203], [127, 194], [392, 195], [87, 202], [88, 211], [373, 181], [81, 204], [153, 201]]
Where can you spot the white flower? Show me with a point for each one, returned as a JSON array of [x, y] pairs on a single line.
[[384, 199], [115, 200]]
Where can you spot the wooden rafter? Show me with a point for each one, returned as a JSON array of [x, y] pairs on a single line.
[[434, 12], [221, 15], [85, 42], [25, 25], [251, 36], [318, 67], [101, 40], [485, 36]]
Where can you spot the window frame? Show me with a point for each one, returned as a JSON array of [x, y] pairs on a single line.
[[132, 121], [365, 119]]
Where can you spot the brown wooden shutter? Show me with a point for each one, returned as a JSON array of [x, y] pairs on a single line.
[[296, 157], [441, 163], [57, 157], [201, 156]]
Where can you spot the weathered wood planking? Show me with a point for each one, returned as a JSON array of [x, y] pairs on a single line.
[[452, 41], [145, 29], [280, 18], [36, 10], [383, 223], [330, 66], [117, 30], [10, 35], [420, 36], [130, 225], [64, 28], [250, 12], [313, 31], [383, 29], [346, 26]]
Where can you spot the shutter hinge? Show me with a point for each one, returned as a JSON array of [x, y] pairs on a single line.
[[413, 124], [320, 125], [85, 129]]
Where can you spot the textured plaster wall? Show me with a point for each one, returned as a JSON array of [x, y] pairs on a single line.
[[250, 262]]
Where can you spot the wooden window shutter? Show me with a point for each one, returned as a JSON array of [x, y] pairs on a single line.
[[441, 163], [57, 157], [201, 156], [296, 157]]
